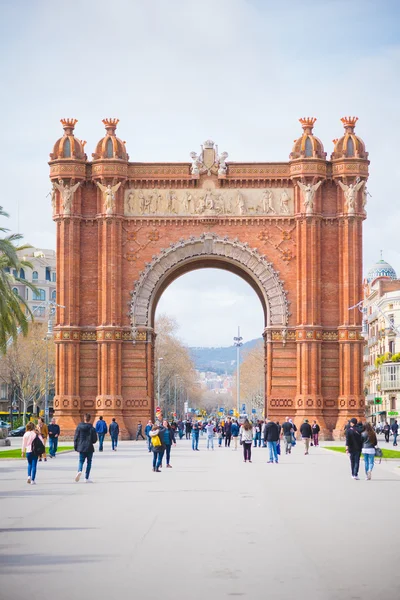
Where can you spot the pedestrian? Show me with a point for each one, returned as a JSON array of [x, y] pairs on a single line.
[[263, 425], [271, 437], [188, 429], [306, 433], [139, 432], [287, 430], [294, 429], [246, 439], [210, 435], [369, 441], [195, 436], [395, 431], [157, 446], [54, 434], [315, 433], [113, 430], [386, 431], [353, 447], [101, 430], [257, 434], [44, 432], [168, 439], [33, 445], [235, 434], [220, 431], [228, 432], [180, 429], [84, 438], [147, 430]]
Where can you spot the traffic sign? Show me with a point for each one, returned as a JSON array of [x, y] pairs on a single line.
[[243, 408], [231, 412], [378, 401], [253, 410], [221, 409]]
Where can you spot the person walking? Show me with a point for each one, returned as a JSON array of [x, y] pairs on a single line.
[[101, 430], [220, 430], [369, 441], [235, 434], [54, 434], [44, 432], [188, 429], [210, 435], [315, 433], [294, 429], [306, 433], [354, 444], [113, 430], [180, 429], [168, 439], [84, 438], [139, 432], [257, 434], [287, 430], [271, 437], [195, 436], [386, 431], [33, 445], [157, 446], [395, 431], [147, 430], [246, 438], [228, 432]]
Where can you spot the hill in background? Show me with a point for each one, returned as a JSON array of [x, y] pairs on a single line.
[[220, 360]]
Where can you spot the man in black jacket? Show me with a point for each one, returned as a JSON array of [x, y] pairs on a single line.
[[306, 433], [354, 447], [315, 433], [84, 438], [228, 432], [54, 434], [271, 436]]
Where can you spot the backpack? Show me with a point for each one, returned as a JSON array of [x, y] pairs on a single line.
[[37, 446], [155, 441]]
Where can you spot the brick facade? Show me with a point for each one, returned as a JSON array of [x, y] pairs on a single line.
[[114, 259]]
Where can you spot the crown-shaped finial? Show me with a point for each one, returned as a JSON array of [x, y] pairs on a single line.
[[349, 122], [111, 124], [307, 123], [68, 124], [335, 141]]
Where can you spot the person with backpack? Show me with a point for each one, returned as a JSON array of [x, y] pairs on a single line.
[[101, 430], [157, 446], [113, 430], [84, 438], [32, 443]]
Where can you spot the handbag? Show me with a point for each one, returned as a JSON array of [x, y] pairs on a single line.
[[378, 452], [278, 448]]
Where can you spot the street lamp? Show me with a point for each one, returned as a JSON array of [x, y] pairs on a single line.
[[237, 341], [158, 379], [49, 334]]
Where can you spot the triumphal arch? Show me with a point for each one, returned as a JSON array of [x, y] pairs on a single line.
[[127, 229]]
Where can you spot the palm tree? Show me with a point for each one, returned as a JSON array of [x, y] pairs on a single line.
[[14, 311]]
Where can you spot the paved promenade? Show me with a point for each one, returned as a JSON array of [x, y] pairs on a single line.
[[211, 527]]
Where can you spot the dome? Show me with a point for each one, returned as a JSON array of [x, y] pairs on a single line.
[[308, 146], [68, 146], [381, 269], [110, 146], [349, 146]]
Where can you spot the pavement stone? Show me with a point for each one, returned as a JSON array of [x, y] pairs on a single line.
[[210, 527]]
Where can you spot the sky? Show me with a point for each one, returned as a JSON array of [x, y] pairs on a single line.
[[177, 72]]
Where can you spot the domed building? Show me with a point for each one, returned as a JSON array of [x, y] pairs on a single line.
[[308, 146], [349, 145], [68, 146], [110, 146], [381, 269]]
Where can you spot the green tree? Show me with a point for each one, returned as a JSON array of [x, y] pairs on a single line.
[[14, 312]]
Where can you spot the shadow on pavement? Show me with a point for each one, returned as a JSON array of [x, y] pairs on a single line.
[[21, 561], [27, 529]]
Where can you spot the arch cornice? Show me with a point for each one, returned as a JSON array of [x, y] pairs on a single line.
[[237, 256]]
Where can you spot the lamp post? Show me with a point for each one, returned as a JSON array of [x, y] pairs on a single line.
[[158, 379], [237, 341], [49, 334]]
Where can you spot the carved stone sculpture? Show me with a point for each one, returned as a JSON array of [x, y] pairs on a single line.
[[267, 205], [350, 194], [308, 191], [67, 194], [53, 198], [241, 204], [222, 164], [365, 193], [108, 196], [196, 163], [285, 202], [130, 202]]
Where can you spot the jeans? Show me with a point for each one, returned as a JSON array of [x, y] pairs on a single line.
[[228, 439], [114, 442], [355, 462], [101, 441], [273, 455], [148, 442], [220, 441], [195, 442], [32, 465], [168, 452], [247, 450], [369, 462], [53, 445], [387, 435], [157, 459], [395, 439], [257, 438], [88, 456], [210, 441]]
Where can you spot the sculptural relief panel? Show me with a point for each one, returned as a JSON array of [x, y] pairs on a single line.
[[161, 202]]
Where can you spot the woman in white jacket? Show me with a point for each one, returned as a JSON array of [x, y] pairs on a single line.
[[246, 437], [32, 458]]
